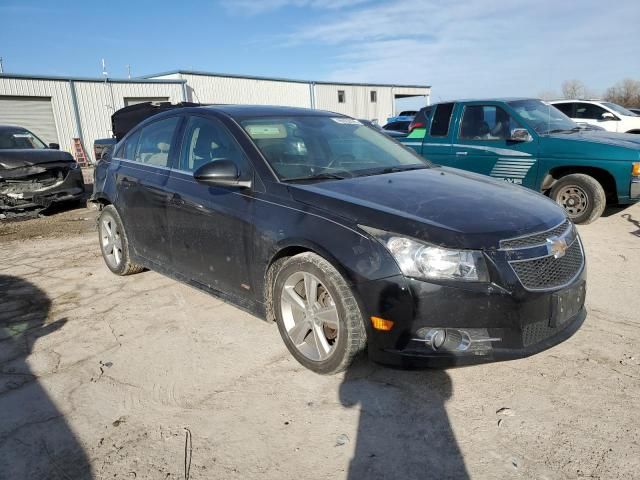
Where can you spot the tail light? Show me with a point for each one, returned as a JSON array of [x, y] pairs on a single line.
[[635, 169], [413, 125]]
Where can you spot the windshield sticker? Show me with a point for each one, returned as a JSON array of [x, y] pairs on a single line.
[[266, 131], [346, 121]]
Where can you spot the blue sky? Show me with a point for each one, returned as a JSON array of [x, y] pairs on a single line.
[[464, 49]]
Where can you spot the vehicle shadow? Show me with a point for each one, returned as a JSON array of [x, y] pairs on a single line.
[[630, 219], [35, 440], [403, 430]]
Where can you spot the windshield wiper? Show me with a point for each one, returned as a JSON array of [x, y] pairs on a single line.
[[562, 130], [384, 170], [317, 176]]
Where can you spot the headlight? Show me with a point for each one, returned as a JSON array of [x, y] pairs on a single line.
[[421, 260]]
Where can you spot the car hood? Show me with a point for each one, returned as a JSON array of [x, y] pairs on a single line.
[[10, 159], [592, 144], [444, 206]]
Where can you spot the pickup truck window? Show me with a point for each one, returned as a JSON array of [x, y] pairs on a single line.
[[441, 120], [486, 122], [543, 118], [589, 111]]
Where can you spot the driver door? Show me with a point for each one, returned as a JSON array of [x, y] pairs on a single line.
[[211, 227], [483, 145]]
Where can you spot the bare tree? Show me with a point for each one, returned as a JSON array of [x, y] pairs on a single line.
[[548, 95], [625, 93], [573, 89]]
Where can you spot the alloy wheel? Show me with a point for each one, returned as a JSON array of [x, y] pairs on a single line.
[[111, 239], [310, 316]]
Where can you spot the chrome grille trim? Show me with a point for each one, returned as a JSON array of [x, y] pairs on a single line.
[[531, 271], [535, 239]]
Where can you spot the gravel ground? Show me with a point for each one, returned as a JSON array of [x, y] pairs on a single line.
[[142, 377]]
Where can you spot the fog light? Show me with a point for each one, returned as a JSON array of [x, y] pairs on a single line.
[[435, 338]]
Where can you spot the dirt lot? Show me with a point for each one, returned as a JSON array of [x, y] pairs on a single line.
[[142, 377]]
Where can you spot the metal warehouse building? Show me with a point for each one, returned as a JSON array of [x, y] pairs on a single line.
[[59, 109]]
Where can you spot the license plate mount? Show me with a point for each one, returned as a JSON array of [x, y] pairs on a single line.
[[566, 304]]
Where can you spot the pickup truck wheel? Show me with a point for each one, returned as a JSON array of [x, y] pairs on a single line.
[[114, 244], [581, 196], [317, 315]]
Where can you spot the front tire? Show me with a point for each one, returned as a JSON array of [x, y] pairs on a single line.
[[581, 196], [114, 243], [318, 317]]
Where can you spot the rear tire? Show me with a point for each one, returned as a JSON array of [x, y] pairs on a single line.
[[326, 333], [581, 196], [114, 244]]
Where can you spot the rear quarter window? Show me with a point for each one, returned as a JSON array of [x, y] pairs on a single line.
[[441, 120]]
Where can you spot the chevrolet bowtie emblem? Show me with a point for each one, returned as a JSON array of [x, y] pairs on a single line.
[[557, 246]]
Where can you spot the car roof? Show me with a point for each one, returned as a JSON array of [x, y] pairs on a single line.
[[582, 100], [252, 111], [494, 99], [12, 127]]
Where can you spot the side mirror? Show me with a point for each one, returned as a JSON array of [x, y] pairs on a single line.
[[220, 173], [54, 146], [608, 116], [520, 135]]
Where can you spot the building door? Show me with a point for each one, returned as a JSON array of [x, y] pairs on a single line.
[[33, 113]]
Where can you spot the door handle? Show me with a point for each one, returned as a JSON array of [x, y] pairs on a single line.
[[176, 200], [461, 153]]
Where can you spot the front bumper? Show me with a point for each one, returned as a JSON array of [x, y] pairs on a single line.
[[514, 323], [69, 189], [635, 189]]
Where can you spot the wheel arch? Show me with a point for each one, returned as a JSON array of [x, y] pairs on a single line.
[[290, 249], [603, 177]]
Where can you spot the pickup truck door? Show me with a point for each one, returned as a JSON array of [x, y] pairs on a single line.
[[481, 143], [436, 144]]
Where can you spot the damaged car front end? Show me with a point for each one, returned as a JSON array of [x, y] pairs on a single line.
[[34, 179]]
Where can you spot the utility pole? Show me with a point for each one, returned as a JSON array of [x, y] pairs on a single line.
[[1, 69], [129, 72]]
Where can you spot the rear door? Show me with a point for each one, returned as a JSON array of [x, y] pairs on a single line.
[[141, 173], [211, 227], [436, 145], [592, 114]]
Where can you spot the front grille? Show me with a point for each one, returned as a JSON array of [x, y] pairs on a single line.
[[536, 238], [550, 272], [537, 332]]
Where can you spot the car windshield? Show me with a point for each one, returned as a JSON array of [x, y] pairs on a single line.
[[19, 139], [617, 108], [543, 118], [319, 147]]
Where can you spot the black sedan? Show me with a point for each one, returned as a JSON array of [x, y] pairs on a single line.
[[346, 239], [34, 176]]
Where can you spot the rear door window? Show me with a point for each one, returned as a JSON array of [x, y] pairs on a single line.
[[589, 111], [155, 143], [441, 120]]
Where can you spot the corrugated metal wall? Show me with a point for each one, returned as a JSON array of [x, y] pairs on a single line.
[[96, 102], [60, 94], [357, 102], [217, 89]]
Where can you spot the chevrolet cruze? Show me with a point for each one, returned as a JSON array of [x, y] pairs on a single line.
[[343, 237]]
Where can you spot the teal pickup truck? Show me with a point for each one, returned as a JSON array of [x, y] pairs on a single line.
[[531, 143]]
